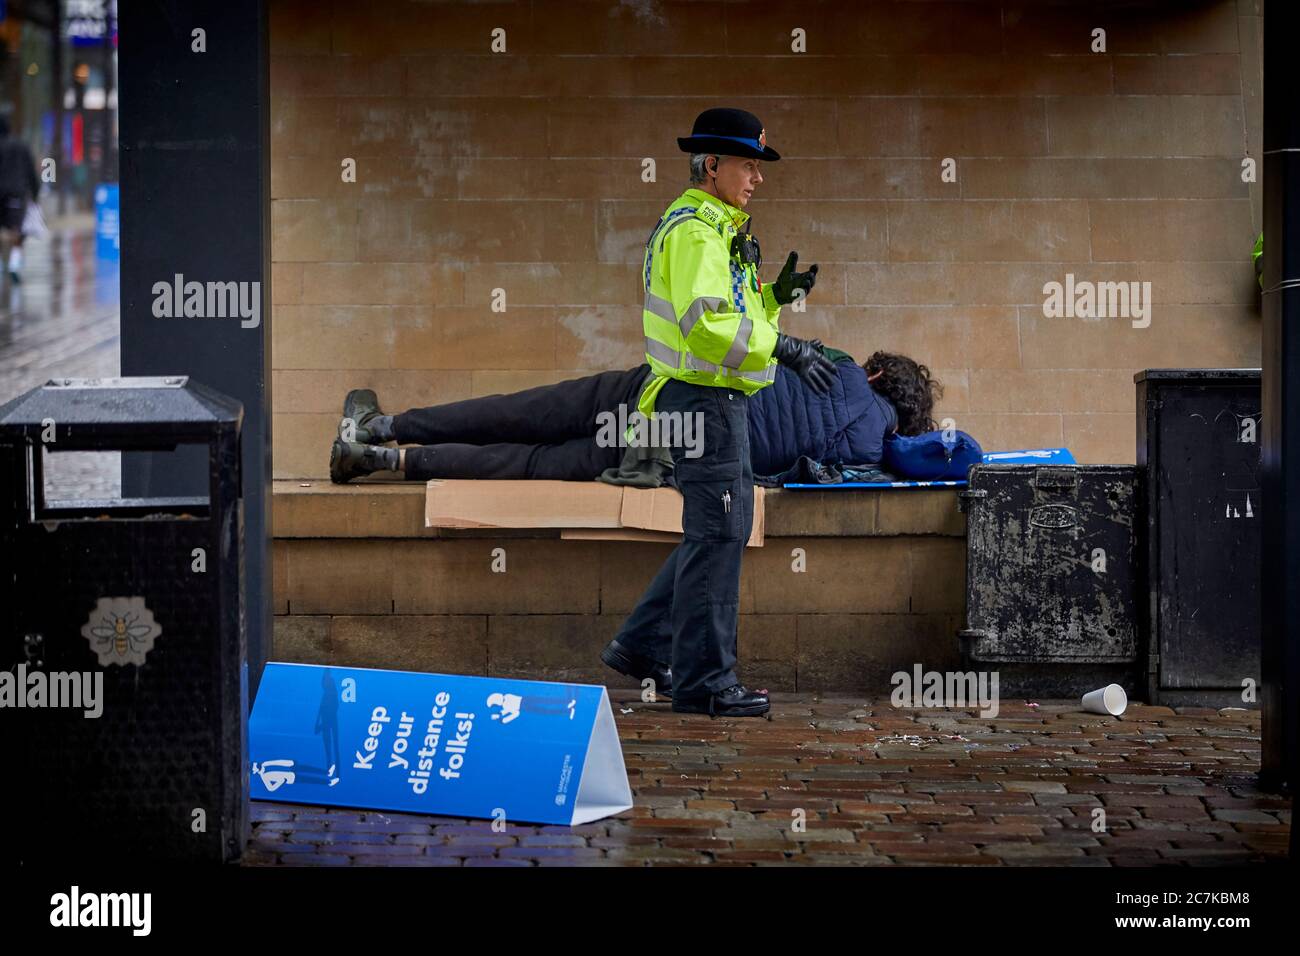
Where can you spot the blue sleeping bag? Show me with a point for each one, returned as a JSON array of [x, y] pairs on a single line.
[[932, 456]]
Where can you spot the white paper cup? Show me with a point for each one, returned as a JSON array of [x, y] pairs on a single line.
[[1110, 699]]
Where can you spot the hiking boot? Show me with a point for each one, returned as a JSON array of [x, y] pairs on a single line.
[[734, 701], [634, 665], [373, 427], [350, 459]]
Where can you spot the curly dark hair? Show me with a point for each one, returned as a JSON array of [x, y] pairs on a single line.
[[909, 387]]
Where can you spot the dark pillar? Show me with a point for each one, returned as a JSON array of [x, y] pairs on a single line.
[[1280, 454], [195, 195]]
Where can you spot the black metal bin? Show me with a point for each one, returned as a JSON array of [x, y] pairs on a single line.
[[144, 595], [1199, 440], [1052, 576]]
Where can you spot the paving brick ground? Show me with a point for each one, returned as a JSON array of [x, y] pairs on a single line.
[[876, 786]]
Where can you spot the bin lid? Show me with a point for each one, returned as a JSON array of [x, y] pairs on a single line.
[[107, 403], [1206, 376]]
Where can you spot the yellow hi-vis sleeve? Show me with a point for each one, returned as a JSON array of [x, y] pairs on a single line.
[[770, 304]]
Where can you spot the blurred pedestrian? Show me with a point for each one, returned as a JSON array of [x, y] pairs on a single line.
[[18, 186]]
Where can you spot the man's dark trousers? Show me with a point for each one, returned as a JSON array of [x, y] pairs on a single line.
[[687, 617], [544, 432]]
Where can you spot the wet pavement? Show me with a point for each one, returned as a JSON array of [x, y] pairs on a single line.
[[845, 781], [62, 321]]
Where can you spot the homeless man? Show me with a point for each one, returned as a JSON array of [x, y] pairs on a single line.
[[568, 431]]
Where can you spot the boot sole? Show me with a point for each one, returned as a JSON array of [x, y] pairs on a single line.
[[690, 707], [336, 468]]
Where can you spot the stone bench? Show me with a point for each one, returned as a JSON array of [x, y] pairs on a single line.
[[359, 581]]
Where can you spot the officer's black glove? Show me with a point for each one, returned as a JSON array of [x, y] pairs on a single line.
[[789, 281], [807, 360]]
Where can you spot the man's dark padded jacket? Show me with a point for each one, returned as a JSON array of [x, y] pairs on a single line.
[[788, 419]]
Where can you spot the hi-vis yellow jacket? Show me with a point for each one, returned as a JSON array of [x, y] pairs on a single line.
[[707, 319]]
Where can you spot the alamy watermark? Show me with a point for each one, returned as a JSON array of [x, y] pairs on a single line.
[[676, 430], [208, 300], [75, 689], [946, 689], [1098, 300], [75, 909]]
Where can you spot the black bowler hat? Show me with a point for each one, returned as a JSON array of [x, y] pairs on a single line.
[[730, 133]]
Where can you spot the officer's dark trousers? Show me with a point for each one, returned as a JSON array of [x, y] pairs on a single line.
[[544, 432], [687, 617]]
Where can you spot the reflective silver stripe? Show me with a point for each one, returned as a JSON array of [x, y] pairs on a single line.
[[740, 344], [674, 218], [657, 350], [671, 226], [762, 375], [661, 307], [766, 375], [658, 305], [705, 303]]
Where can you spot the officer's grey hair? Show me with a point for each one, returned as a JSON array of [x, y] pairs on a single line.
[[698, 174]]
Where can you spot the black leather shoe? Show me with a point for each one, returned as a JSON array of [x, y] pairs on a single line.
[[735, 701], [349, 459], [362, 406], [634, 665]]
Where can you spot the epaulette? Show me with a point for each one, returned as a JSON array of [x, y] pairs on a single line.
[[711, 216]]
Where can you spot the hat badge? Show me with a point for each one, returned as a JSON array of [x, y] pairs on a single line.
[[762, 137]]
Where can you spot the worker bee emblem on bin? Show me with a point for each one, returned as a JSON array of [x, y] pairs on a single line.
[[121, 630]]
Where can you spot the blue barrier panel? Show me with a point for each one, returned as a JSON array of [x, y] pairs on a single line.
[[108, 241], [445, 744]]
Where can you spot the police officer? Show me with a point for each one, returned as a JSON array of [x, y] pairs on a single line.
[[712, 340]]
